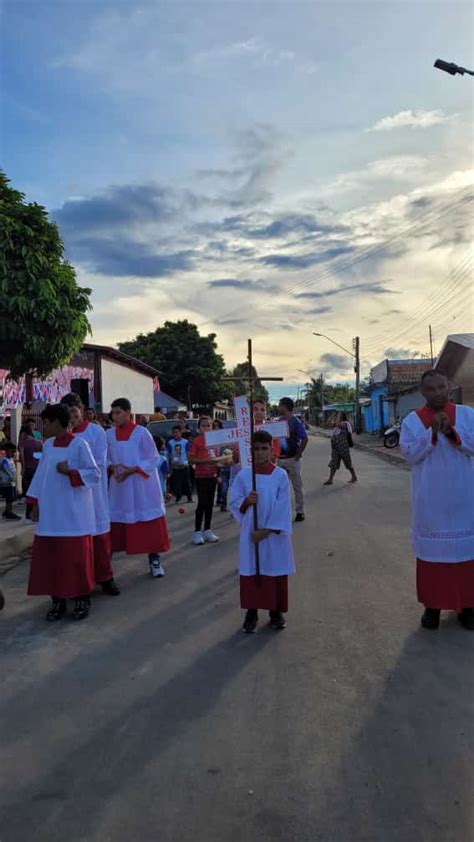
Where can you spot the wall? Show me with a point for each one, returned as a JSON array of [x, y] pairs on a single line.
[[49, 390], [119, 381], [407, 403], [373, 422], [464, 377]]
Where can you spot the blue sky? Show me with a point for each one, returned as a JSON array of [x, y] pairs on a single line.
[[263, 169]]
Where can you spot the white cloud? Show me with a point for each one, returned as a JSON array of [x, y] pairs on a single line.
[[254, 48], [411, 120]]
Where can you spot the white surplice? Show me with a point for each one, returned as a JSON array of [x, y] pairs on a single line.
[[95, 437], [64, 510], [442, 488], [138, 498], [274, 512]]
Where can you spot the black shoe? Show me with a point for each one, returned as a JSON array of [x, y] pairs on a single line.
[[277, 620], [110, 588], [190, 499], [299, 518], [58, 608], [224, 508], [250, 622], [11, 516], [81, 608], [466, 618], [430, 619]]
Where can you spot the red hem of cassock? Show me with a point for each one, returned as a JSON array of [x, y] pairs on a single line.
[[103, 557], [449, 587], [145, 536], [270, 594], [62, 567]]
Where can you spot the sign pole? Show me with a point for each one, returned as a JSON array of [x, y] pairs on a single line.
[[254, 475]]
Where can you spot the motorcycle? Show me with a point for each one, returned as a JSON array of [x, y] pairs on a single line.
[[391, 436]]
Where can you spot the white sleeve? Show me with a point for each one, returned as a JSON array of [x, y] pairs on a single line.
[[415, 446], [87, 467], [148, 454], [238, 494], [465, 432], [280, 517]]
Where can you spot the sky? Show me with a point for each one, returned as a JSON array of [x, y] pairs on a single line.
[[266, 169]]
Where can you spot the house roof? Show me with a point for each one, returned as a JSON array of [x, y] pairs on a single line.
[[121, 358], [455, 349], [163, 400]]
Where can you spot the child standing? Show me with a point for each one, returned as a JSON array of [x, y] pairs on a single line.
[[62, 561], [206, 465], [95, 437], [162, 463], [178, 454], [269, 591], [8, 480], [137, 507]]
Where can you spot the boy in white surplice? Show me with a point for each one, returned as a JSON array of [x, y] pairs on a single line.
[[268, 591]]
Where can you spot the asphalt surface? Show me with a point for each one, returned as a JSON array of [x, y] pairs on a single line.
[[157, 719]]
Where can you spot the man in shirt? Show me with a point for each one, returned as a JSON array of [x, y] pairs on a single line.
[[438, 443], [291, 451]]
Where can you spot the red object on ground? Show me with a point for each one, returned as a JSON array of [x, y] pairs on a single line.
[[181, 510], [449, 587]]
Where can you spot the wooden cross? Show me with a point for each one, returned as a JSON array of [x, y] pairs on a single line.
[[244, 433]]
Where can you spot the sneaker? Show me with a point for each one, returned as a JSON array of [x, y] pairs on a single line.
[[82, 608], [156, 568], [430, 619], [58, 608], [277, 620], [250, 622], [299, 518], [110, 588], [11, 516], [198, 540], [209, 537], [466, 618]]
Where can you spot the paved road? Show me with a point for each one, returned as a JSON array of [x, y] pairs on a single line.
[[157, 719]]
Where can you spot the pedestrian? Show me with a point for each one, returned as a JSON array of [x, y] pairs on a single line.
[[8, 479], [162, 465], [95, 437], [137, 507], [30, 453], [291, 451], [341, 443], [90, 415], [438, 443], [178, 456], [205, 463], [269, 591], [62, 560]]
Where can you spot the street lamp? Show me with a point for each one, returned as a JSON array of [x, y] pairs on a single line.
[[356, 356], [451, 68]]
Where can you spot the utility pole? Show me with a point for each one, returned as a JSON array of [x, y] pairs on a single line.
[[357, 383], [431, 347]]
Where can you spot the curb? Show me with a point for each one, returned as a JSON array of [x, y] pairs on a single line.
[[14, 548]]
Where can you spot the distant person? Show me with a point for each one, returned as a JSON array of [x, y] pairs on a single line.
[[273, 536], [178, 458], [90, 415], [291, 451], [137, 506], [341, 443], [158, 415], [206, 464], [30, 453], [438, 442], [62, 560], [8, 479]]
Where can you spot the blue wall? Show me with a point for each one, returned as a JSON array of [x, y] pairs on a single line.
[[377, 415]]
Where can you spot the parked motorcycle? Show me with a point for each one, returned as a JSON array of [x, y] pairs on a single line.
[[391, 436]]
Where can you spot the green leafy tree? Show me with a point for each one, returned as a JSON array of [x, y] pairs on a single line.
[[43, 319], [189, 363], [240, 387]]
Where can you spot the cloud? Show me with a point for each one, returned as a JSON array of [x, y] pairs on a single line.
[[412, 120], [234, 283], [255, 49], [118, 206], [375, 288], [336, 362], [122, 257], [319, 311], [302, 261]]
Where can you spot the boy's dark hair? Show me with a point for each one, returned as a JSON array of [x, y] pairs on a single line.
[[56, 412], [432, 372], [177, 427], [262, 437], [9, 446], [71, 399], [288, 403], [122, 403]]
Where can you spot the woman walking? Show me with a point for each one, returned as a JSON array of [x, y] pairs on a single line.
[[207, 465], [341, 443]]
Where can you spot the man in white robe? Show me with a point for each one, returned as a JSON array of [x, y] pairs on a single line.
[[137, 507], [438, 442], [269, 590]]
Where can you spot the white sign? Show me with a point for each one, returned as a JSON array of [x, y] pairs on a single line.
[[241, 434]]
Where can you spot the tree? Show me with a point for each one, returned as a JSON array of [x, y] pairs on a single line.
[[189, 364], [43, 318], [240, 387]]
